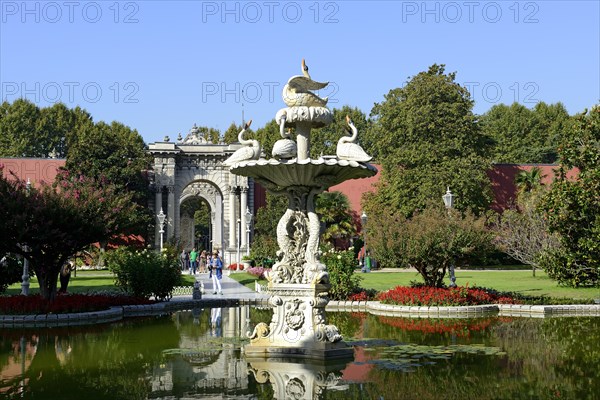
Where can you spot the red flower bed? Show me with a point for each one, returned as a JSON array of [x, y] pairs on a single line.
[[431, 296], [69, 303]]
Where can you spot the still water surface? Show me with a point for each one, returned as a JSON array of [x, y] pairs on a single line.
[[197, 354]]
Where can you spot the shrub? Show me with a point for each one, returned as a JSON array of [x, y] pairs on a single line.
[[340, 265], [145, 273]]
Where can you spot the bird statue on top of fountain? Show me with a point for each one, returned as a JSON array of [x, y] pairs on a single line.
[[297, 91], [250, 152], [347, 149], [285, 148]]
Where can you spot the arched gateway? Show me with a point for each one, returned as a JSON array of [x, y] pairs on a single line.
[[192, 170]]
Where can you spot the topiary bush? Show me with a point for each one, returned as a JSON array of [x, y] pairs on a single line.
[[145, 273]]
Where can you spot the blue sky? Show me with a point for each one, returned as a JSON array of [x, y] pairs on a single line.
[[161, 66]]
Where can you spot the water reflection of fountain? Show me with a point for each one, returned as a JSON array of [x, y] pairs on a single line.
[[292, 380]]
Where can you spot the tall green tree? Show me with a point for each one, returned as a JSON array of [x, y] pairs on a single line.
[[572, 207], [29, 131], [114, 153], [426, 138], [523, 135]]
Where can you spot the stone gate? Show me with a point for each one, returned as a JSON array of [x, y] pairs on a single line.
[[193, 168]]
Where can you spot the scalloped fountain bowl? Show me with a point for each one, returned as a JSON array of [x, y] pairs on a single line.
[[323, 171]]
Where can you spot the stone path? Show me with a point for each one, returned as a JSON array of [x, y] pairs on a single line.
[[232, 289]]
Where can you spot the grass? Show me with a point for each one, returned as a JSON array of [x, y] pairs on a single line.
[[246, 279], [520, 281], [86, 281]]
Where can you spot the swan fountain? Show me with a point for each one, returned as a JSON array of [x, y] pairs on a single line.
[[299, 282]]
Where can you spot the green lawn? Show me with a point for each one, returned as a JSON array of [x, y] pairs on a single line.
[[514, 281], [520, 281], [86, 281]]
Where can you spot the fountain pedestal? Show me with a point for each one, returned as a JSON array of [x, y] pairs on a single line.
[[299, 328]]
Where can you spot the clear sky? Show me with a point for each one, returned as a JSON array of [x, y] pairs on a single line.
[[161, 66]]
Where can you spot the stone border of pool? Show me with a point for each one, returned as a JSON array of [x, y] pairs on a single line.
[[512, 310], [373, 307]]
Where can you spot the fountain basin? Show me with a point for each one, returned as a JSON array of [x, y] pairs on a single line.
[[320, 172]]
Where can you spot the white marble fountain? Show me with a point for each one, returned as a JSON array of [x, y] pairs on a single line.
[[299, 282]]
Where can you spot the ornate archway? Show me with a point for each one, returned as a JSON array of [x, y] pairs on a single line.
[[193, 167]]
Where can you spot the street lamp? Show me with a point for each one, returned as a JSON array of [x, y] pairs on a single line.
[[363, 220], [448, 199], [25, 277], [248, 223], [449, 203], [161, 223]]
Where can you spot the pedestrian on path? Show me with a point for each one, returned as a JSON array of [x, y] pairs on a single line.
[[216, 272], [193, 261], [202, 261], [184, 258]]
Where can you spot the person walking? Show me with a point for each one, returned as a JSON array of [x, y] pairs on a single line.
[[182, 259], [202, 262], [216, 272], [194, 261]]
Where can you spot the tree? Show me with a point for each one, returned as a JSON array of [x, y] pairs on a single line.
[[430, 241], [572, 207], [116, 154], [28, 131], [426, 138], [522, 135], [528, 181], [51, 224], [522, 231], [335, 214], [265, 244]]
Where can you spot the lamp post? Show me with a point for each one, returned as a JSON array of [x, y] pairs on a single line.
[[449, 203], [239, 239], [161, 223], [25, 277], [248, 223], [363, 220]]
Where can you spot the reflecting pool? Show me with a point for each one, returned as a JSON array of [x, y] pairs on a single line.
[[198, 354]]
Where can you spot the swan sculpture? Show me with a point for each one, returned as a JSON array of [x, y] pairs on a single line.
[[348, 150], [250, 152], [284, 148], [297, 91]]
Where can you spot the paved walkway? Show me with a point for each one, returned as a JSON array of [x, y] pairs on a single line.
[[232, 289]]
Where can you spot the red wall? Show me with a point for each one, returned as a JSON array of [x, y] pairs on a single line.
[[36, 169]]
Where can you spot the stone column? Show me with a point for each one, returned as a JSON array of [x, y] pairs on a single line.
[[157, 208], [232, 223], [244, 223], [171, 212]]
